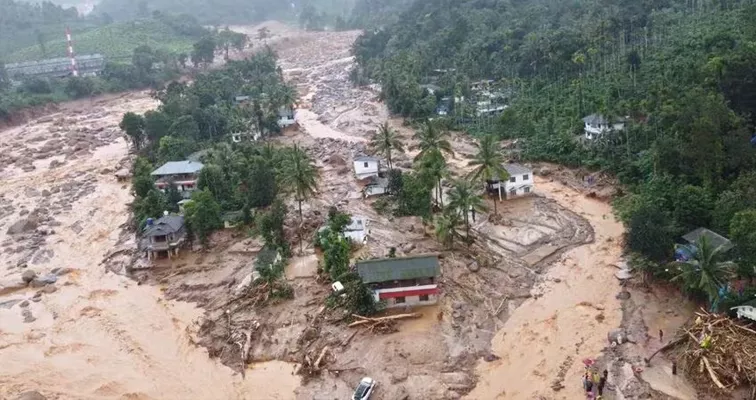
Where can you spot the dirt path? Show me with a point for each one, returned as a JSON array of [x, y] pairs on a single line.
[[551, 335]]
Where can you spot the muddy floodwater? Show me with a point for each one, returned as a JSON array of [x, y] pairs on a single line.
[[559, 329]]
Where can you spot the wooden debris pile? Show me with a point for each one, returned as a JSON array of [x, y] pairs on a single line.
[[717, 351], [381, 325], [311, 366]]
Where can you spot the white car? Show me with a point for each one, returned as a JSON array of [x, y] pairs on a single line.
[[364, 390]]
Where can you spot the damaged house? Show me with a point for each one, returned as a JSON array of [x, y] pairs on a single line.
[[164, 237], [183, 175], [402, 281], [520, 182]]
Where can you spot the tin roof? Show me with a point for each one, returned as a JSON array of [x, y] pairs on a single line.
[[178, 167], [517, 169], [714, 238], [164, 226], [397, 269]]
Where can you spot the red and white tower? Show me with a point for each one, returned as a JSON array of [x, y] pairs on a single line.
[[71, 55]]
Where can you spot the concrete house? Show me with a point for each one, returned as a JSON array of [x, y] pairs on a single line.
[[376, 186], [357, 230], [365, 167], [400, 282], [597, 125], [182, 175], [520, 182], [163, 237], [286, 117], [249, 136]]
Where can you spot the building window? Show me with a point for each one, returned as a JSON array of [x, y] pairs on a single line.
[[525, 177], [366, 164], [400, 300], [424, 297], [513, 179], [527, 190]]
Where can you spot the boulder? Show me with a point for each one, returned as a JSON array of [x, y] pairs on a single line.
[[10, 303], [473, 266], [31, 395], [23, 225], [44, 281], [28, 317], [28, 276], [408, 247], [49, 289], [398, 375]]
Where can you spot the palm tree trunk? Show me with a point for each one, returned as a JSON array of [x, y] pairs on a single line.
[[440, 193], [388, 158], [467, 227], [301, 223], [496, 211]]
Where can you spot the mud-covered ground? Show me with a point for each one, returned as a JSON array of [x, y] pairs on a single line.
[[519, 310]]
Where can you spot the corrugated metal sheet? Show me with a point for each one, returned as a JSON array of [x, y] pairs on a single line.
[[178, 167], [397, 269]]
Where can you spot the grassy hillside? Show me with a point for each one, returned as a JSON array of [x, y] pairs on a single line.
[[115, 40]]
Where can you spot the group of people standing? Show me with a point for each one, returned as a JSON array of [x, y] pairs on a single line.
[[594, 384]]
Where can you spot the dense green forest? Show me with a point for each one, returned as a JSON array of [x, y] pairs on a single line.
[[683, 73], [223, 12]]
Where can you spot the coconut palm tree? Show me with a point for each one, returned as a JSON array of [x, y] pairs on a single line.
[[488, 163], [447, 225], [463, 198], [433, 169], [706, 272], [300, 176], [386, 140], [432, 139]]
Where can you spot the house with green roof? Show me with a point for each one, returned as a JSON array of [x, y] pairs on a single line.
[[402, 281]]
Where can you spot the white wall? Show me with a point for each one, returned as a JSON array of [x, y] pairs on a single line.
[[412, 301], [364, 169], [520, 180], [594, 131], [374, 191], [357, 237]]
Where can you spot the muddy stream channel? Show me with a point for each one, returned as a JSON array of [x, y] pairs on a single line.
[[98, 335]]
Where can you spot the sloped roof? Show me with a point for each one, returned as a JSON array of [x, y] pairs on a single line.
[[714, 238], [164, 226], [396, 269], [366, 158], [356, 224], [598, 119], [517, 169], [595, 119], [178, 167]]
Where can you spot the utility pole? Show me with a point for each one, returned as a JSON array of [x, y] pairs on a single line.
[[71, 55]]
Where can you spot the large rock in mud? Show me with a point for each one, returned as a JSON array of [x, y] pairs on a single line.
[[28, 276], [22, 226], [31, 395]]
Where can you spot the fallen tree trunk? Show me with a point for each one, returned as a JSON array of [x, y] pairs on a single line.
[[320, 357], [712, 374], [366, 320]]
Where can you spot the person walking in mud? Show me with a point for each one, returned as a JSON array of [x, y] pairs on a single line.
[[602, 384], [661, 335]]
